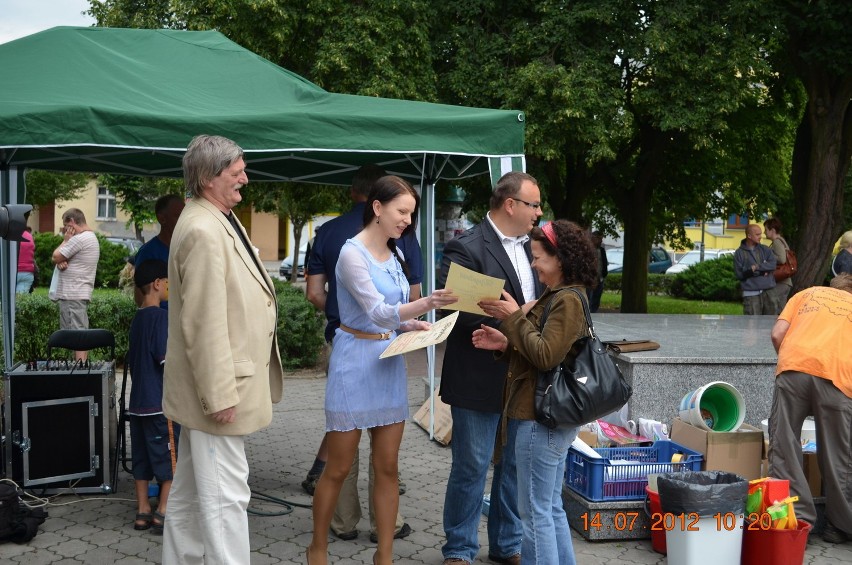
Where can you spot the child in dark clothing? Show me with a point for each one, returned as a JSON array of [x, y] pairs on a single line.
[[153, 438]]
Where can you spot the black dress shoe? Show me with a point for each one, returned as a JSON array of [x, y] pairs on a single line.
[[310, 483], [403, 532], [832, 534], [511, 560], [346, 536]]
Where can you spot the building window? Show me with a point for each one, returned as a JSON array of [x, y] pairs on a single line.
[[106, 204], [736, 221]]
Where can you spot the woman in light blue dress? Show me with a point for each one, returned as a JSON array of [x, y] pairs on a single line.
[[363, 391]]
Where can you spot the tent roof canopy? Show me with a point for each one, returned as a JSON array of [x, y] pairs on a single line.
[[110, 100]]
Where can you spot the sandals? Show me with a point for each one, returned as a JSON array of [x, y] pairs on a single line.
[[143, 521], [158, 522]]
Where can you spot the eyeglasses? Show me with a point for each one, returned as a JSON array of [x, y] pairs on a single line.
[[533, 205]]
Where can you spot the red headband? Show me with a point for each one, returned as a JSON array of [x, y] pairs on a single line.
[[547, 230]]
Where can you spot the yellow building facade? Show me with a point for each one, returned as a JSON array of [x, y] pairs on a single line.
[[271, 235]]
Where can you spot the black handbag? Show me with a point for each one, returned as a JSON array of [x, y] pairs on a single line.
[[583, 387]]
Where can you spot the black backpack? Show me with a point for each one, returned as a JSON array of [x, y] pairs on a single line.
[[18, 522]]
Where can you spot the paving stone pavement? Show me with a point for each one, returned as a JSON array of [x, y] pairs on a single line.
[[97, 530]]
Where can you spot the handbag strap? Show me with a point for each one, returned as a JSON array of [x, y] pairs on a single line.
[[586, 310]]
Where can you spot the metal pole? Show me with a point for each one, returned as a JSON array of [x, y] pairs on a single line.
[[11, 180], [428, 201]]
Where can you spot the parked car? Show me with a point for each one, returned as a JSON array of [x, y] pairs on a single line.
[[658, 260], [694, 256], [130, 243], [287, 264]]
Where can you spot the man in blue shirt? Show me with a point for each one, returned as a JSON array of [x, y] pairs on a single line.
[[321, 263], [167, 209]]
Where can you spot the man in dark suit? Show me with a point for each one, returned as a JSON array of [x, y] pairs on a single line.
[[472, 381]]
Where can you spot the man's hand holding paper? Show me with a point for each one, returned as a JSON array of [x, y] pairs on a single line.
[[500, 309]]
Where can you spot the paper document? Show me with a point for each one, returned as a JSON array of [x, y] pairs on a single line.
[[411, 341], [471, 287]]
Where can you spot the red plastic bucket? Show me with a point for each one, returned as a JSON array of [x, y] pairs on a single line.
[[652, 506], [779, 547]]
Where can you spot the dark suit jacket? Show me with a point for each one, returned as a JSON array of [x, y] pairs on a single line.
[[471, 378]]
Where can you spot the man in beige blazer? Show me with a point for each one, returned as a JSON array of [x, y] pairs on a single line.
[[223, 368]]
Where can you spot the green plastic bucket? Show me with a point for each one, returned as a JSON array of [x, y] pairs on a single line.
[[716, 407]]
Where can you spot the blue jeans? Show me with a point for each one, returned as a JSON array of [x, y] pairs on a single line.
[[541, 454], [24, 282], [474, 434]]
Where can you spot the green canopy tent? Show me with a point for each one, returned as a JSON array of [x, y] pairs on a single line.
[[128, 101]]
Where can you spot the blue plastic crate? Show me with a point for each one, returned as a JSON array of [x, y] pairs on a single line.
[[600, 480]]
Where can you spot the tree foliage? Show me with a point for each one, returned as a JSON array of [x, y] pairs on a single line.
[[814, 55], [639, 114], [370, 47], [297, 201], [45, 187], [136, 196], [629, 107]]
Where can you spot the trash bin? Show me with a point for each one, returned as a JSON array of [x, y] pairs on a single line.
[[702, 516]]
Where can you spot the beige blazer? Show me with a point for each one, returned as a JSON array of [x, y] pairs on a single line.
[[222, 349]]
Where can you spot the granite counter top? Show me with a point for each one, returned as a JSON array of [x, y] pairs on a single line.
[[685, 338]]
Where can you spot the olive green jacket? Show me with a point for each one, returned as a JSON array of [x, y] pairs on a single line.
[[531, 351]]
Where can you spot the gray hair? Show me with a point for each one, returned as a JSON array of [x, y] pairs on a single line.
[[74, 214], [205, 158], [509, 186]]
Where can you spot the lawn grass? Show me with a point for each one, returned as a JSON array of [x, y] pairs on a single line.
[[611, 302]]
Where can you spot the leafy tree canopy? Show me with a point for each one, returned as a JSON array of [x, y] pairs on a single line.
[[630, 107], [137, 195], [44, 187], [297, 201]]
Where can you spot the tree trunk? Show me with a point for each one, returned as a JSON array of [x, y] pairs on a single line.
[[635, 206], [634, 278], [821, 159]]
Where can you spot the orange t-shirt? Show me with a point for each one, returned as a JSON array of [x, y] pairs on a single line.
[[819, 340]]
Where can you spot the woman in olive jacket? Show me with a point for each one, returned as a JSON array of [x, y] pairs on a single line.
[[563, 256]]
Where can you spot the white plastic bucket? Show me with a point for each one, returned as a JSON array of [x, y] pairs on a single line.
[[808, 430], [710, 543], [716, 407]]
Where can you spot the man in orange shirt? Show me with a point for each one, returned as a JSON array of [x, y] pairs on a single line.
[[813, 338]]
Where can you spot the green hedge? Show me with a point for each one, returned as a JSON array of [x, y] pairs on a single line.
[[36, 317], [300, 328], [709, 280], [712, 280], [658, 283], [111, 262]]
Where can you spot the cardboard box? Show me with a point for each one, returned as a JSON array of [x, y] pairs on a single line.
[[812, 474], [739, 452], [590, 438], [443, 431]]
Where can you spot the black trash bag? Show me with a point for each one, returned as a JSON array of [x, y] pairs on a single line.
[[702, 492], [18, 522]]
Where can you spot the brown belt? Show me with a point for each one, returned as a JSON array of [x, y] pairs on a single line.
[[363, 335]]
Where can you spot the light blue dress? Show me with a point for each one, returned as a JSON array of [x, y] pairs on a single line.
[[364, 391]]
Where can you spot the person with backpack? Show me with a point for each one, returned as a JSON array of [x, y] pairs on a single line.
[[754, 267], [783, 255]]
